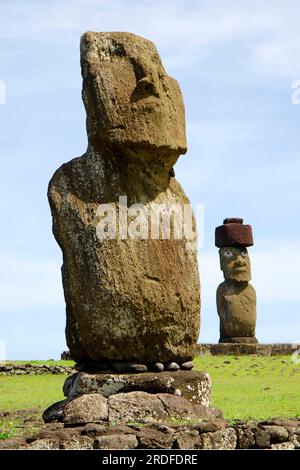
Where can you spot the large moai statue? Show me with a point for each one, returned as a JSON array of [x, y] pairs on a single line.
[[127, 299], [236, 298]]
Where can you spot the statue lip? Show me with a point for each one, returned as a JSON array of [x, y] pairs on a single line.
[[240, 269]]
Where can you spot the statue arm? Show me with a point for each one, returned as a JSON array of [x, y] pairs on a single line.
[[56, 200], [220, 298]]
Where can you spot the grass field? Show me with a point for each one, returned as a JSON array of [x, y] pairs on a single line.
[[244, 387], [249, 387]]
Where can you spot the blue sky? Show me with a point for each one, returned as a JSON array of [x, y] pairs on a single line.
[[235, 62]]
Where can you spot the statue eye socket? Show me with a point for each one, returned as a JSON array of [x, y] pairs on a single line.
[[143, 89], [228, 254], [244, 254]]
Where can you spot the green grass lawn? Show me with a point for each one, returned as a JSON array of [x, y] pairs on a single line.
[[243, 387], [30, 391], [253, 387], [25, 397]]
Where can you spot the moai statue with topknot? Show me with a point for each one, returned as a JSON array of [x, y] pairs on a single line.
[[236, 298]]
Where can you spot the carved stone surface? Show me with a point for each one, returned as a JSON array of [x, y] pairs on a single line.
[[236, 304], [236, 298], [126, 299]]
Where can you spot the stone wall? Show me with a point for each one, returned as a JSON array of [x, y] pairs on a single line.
[[237, 349], [32, 369], [273, 434]]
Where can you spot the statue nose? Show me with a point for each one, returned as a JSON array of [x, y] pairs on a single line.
[[240, 261]]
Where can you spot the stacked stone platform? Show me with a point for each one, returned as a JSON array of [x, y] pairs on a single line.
[[274, 434], [236, 349], [141, 397]]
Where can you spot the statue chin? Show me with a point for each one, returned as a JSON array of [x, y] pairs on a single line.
[[242, 277]]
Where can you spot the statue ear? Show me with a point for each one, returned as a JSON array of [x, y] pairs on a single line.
[[221, 260]]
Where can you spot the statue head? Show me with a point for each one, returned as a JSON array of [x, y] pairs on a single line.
[[131, 102], [235, 263]]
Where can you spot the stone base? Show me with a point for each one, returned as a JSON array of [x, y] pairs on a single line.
[[131, 407], [122, 398], [239, 340], [195, 386], [134, 407]]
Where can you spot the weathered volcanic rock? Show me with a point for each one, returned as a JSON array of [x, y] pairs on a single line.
[[54, 412], [131, 407], [187, 440], [187, 365], [44, 444], [283, 446], [225, 439], [116, 441], [150, 438], [127, 299], [262, 438], [205, 434], [136, 407], [278, 434], [144, 407], [86, 409], [195, 386], [177, 407], [245, 438]]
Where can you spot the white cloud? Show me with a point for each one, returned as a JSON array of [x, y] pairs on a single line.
[[185, 20], [278, 53], [183, 30], [279, 56]]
